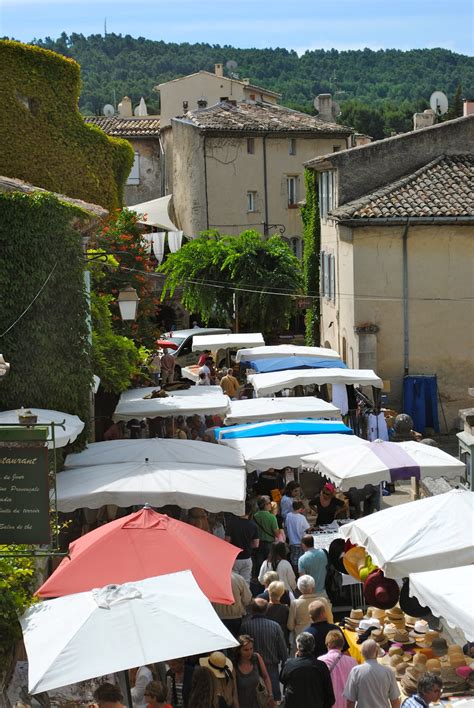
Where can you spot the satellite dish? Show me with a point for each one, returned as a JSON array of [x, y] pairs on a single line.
[[439, 103], [108, 110], [316, 103], [231, 65]]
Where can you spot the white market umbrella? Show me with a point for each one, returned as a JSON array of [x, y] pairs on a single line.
[[155, 212], [266, 384], [286, 450], [284, 350], [90, 634], [73, 426], [133, 406], [212, 342], [381, 461], [449, 593], [156, 450], [427, 534], [253, 410], [187, 484]]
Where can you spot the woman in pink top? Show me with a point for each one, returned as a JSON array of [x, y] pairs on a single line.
[[339, 665]]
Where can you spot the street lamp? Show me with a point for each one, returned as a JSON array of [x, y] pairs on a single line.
[[128, 303]]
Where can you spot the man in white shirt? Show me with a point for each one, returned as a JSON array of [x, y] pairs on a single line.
[[296, 526], [371, 685]]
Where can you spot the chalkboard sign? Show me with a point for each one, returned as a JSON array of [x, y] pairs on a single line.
[[24, 495]]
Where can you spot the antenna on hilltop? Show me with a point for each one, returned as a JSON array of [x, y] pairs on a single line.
[[105, 27], [231, 66], [439, 103]]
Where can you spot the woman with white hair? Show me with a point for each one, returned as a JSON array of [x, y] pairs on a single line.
[[299, 617]]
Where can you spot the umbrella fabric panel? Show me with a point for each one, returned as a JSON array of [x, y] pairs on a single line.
[[156, 450], [73, 424], [367, 466], [426, 534], [282, 427], [262, 366], [156, 212], [259, 409], [72, 639], [285, 450], [449, 594], [213, 404], [266, 384], [126, 484], [281, 350], [226, 341], [142, 545]]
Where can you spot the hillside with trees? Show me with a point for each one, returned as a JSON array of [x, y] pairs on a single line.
[[378, 90]]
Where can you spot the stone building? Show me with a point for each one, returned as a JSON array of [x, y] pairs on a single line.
[[397, 257]]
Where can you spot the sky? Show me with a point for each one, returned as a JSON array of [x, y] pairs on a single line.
[[299, 25]]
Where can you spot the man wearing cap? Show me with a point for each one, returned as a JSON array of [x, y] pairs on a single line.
[[269, 641], [319, 627], [371, 685], [428, 690]]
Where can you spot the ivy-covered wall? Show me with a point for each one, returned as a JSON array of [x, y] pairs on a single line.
[[48, 348], [312, 248], [43, 137]]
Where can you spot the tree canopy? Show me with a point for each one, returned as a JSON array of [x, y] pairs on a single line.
[[222, 276], [392, 82]]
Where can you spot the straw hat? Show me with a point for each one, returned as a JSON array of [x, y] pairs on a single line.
[[357, 614], [378, 613], [455, 649], [433, 665], [395, 651], [439, 646], [419, 660], [380, 591], [354, 560], [218, 663], [366, 624], [395, 613], [420, 629], [410, 621], [401, 668]]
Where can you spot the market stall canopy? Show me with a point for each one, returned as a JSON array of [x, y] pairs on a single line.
[[73, 426], [449, 593], [213, 342], [213, 488], [282, 427], [156, 212], [258, 409], [156, 450], [427, 534], [143, 545], [264, 366], [281, 350], [285, 450], [266, 384], [90, 634], [385, 462], [132, 404]]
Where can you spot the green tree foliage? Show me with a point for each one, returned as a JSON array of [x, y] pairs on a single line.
[[43, 136], [119, 66], [130, 265], [212, 267], [312, 248], [42, 269]]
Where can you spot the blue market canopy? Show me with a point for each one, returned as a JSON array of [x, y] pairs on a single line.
[[263, 366], [282, 427]]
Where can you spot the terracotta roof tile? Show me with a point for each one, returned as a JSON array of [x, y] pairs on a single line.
[[443, 187], [264, 117], [148, 127]]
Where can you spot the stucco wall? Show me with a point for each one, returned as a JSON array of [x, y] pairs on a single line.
[[150, 173], [232, 172], [441, 305], [187, 178]]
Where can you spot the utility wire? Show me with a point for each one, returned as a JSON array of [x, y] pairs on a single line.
[[31, 303]]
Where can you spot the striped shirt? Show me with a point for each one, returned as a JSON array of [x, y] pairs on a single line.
[[268, 639]]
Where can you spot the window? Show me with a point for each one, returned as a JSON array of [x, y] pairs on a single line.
[[327, 278], [250, 146], [134, 176], [296, 246], [292, 146], [327, 192], [336, 148], [251, 201], [292, 191]]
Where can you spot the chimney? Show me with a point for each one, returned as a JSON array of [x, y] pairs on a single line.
[[202, 102], [246, 81], [219, 70], [424, 120], [185, 106], [468, 107], [325, 107], [125, 107], [141, 109], [361, 139]]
